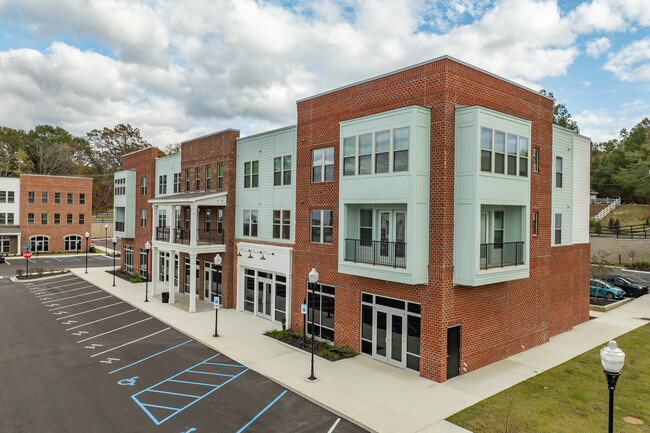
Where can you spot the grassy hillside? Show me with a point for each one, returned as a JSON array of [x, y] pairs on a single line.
[[628, 214]]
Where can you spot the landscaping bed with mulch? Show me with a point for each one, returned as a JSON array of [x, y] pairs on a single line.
[[40, 273], [323, 349], [127, 276]]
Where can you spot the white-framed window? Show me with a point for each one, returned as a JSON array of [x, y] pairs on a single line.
[[382, 151], [30, 196], [322, 164], [177, 183], [320, 302], [44, 198], [282, 170], [281, 224], [523, 156], [219, 221], [43, 219], [512, 154], [499, 152], [365, 154], [7, 218], [70, 196], [558, 228], [535, 159], [144, 262], [498, 224], [3, 197], [128, 258], [120, 189], [208, 177], [321, 226], [198, 178], [40, 244], [349, 156], [187, 179], [82, 219], [162, 218], [10, 196], [143, 218], [57, 198], [72, 243], [486, 149], [162, 184], [558, 172], [220, 176], [5, 244], [30, 219], [251, 174], [208, 215], [365, 227], [401, 149], [250, 222], [143, 185], [535, 222], [68, 219]]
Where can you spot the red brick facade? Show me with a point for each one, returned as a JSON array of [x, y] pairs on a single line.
[[144, 164], [497, 320], [80, 209]]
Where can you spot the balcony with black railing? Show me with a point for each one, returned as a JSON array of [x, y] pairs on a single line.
[[382, 253], [502, 254], [162, 234], [119, 226], [203, 237]]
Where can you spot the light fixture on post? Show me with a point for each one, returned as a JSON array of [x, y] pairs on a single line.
[[217, 299], [114, 240], [313, 279], [612, 359], [106, 232], [87, 236], [147, 247]]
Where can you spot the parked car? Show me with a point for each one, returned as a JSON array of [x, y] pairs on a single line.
[[631, 288], [601, 289]]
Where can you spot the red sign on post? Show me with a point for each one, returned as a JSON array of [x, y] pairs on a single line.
[[27, 254]]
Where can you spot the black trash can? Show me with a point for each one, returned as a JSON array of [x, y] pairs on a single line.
[[165, 297]]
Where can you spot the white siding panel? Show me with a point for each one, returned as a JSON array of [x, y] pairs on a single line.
[[581, 176]]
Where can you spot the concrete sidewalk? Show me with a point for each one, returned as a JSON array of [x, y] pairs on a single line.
[[372, 394]]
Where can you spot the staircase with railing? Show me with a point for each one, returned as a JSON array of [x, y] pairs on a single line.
[[603, 213]]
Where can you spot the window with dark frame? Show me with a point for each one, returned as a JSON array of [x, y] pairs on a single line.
[[162, 184], [208, 177], [30, 196], [558, 172], [82, 198], [187, 180], [197, 172], [321, 303], [70, 196], [82, 219]]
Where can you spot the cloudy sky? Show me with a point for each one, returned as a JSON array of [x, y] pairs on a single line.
[[178, 69]]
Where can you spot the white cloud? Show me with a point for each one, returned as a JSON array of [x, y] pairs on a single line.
[[596, 47], [586, 83], [609, 15], [632, 63]]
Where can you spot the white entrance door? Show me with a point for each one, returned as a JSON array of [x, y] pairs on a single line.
[[392, 237], [264, 297], [389, 336]]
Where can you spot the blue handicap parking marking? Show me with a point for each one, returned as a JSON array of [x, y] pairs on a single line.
[[164, 400], [128, 382]]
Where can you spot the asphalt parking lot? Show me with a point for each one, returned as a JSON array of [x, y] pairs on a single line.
[[58, 262], [77, 359]]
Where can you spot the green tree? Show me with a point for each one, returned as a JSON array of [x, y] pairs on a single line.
[[53, 150], [13, 158], [109, 145], [561, 115]]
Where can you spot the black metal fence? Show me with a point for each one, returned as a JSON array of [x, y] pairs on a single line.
[[210, 237], [376, 252], [162, 234], [638, 231], [499, 255]]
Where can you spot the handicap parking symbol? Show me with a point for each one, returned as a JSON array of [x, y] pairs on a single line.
[[128, 382]]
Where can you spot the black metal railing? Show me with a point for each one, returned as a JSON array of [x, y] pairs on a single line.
[[499, 255], [162, 234], [182, 236], [209, 237], [119, 226], [382, 253], [637, 231]]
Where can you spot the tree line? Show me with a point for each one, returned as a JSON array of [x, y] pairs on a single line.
[[51, 150]]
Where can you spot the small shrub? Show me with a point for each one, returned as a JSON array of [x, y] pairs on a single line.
[[137, 279], [610, 223], [19, 272], [284, 324], [40, 271], [617, 223]]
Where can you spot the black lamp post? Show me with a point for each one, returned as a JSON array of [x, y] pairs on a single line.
[[217, 261], [147, 247], [106, 231], [114, 240], [87, 236], [313, 279], [612, 359]]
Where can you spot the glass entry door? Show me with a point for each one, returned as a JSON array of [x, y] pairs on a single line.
[[389, 336], [392, 234], [211, 281], [264, 296]]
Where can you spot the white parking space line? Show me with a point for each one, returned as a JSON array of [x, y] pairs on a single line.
[[60, 293], [99, 320], [334, 426], [88, 311], [40, 291], [130, 342], [79, 303], [117, 329], [50, 300], [39, 286]]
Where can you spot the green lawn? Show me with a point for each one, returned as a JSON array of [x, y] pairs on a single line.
[[571, 397], [629, 214]]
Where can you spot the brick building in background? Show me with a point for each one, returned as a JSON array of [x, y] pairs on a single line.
[[55, 212]]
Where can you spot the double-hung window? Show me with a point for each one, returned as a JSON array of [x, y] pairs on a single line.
[[208, 177], [486, 149], [143, 185], [3, 196], [251, 174], [220, 176], [143, 218], [558, 172], [281, 224], [282, 170], [198, 178], [68, 219], [30, 196], [535, 159], [523, 156], [401, 149], [177, 183], [3, 218], [512, 154], [70, 196], [498, 229], [535, 222], [558, 228], [82, 219], [382, 151], [162, 184], [187, 179], [250, 223], [57, 219], [365, 227], [219, 221], [365, 154], [30, 219], [499, 152], [322, 164], [10, 196], [57, 198], [321, 226], [44, 197], [82, 198], [208, 216], [349, 156]]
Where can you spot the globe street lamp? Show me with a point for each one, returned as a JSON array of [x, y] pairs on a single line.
[[147, 247], [106, 231], [612, 359], [217, 261], [114, 240], [313, 279], [87, 236]]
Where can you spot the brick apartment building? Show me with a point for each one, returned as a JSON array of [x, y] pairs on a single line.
[[445, 213], [55, 213]]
